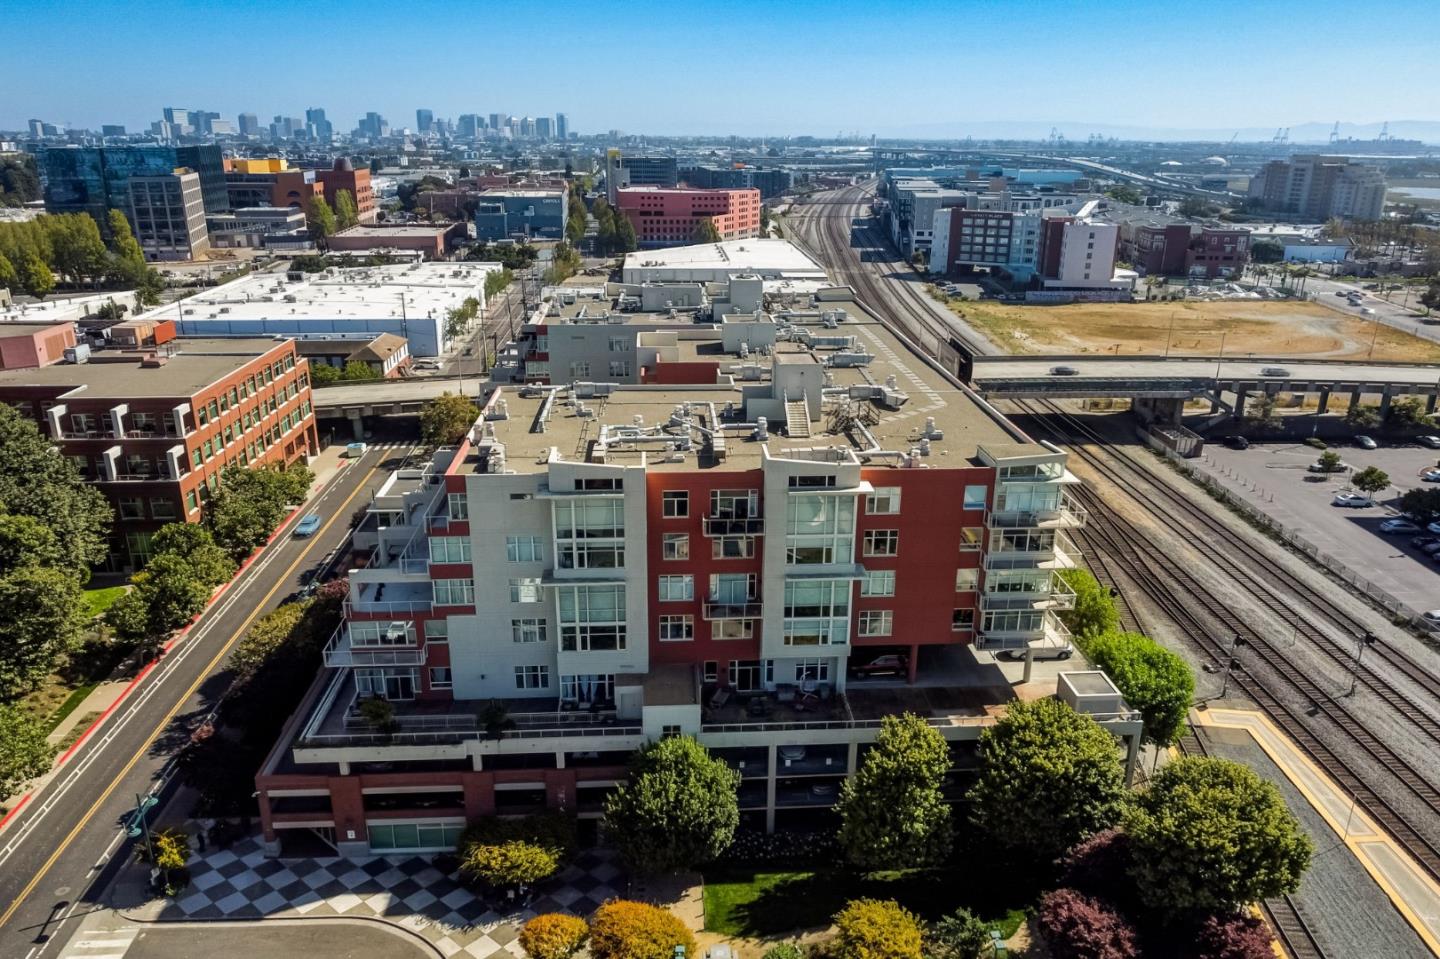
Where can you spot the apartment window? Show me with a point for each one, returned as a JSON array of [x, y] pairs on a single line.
[[971, 537], [592, 618], [962, 620], [813, 482], [711, 671], [440, 677], [192, 502], [162, 507], [676, 589], [530, 629], [437, 630], [819, 529], [878, 582], [876, 622], [618, 344], [727, 629], [976, 497], [885, 501], [131, 507], [590, 533], [619, 367], [524, 549], [449, 549], [734, 503], [532, 677], [593, 484], [812, 670], [677, 628], [579, 368], [588, 688], [82, 465], [454, 592], [747, 675], [675, 504], [882, 542], [966, 580], [675, 546], [526, 590], [817, 612], [457, 506], [732, 547]]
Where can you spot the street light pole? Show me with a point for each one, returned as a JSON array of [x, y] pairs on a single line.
[[1368, 639], [1232, 661]]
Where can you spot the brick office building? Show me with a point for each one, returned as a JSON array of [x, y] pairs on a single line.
[[296, 187], [617, 563], [154, 429], [668, 217]]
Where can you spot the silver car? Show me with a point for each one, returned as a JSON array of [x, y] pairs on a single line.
[[1039, 651]]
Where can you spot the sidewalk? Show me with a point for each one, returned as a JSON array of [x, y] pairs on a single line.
[[1414, 894]]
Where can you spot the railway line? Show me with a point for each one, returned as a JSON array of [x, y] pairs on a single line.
[[828, 227]]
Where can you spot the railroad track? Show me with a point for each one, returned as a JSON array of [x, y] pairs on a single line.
[[1291, 599], [1282, 912]]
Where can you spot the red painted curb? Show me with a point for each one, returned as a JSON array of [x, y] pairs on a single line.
[[18, 806]]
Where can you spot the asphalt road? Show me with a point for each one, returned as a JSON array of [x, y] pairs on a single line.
[[311, 939], [57, 848]]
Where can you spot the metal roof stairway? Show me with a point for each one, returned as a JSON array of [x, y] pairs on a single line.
[[797, 418]]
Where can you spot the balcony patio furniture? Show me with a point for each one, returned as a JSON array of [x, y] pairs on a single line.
[[758, 707], [785, 693], [722, 696]]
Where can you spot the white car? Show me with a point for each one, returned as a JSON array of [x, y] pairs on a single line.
[[1430, 476], [1431, 617], [1346, 498], [1039, 651], [1398, 526], [1366, 442], [1431, 441]]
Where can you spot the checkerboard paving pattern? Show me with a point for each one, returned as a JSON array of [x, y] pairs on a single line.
[[240, 883]]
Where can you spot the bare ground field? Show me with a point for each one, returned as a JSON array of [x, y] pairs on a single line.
[[1258, 328]]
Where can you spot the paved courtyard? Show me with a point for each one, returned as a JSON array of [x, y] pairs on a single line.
[[240, 883]]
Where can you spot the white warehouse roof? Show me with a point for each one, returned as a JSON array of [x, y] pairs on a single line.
[[713, 262]]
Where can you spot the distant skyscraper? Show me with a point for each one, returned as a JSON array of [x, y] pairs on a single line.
[[202, 121], [179, 119], [37, 128], [545, 127], [562, 127], [424, 120], [112, 130], [496, 120], [249, 125], [469, 126], [318, 127], [373, 126]]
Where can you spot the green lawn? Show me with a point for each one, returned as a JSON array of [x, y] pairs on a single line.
[[97, 601], [759, 904]]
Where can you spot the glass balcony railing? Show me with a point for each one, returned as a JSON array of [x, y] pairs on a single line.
[[724, 609], [734, 525]]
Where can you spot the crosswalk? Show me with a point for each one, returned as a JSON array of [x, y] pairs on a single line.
[[101, 943]]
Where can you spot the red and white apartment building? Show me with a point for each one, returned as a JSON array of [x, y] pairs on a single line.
[[811, 529]]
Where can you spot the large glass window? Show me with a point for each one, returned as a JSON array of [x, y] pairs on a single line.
[[457, 506], [882, 542], [750, 674], [530, 629], [595, 688], [819, 529], [677, 628], [532, 677], [524, 549], [1037, 497], [592, 617], [676, 589], [878, 582], [1014, 621], [454, 592], [414, 837], [817, 612], [449, 549], [734, 503], [525, 590], [885, 501], [1022, 540], [387, 683], [876, 622], [590, 533], [976, 497]]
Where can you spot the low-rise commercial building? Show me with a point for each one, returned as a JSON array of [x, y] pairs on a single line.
[[1160, 246], [296, 187], [281, 228], [670, 217], [26, 346], [529, 214], [433, 242], [770, 182], [153, 429], [387, 355], [716, 262], [411, 301], [623, 171], [770, 563]]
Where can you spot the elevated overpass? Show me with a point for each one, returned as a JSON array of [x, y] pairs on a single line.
[[1153, 380]]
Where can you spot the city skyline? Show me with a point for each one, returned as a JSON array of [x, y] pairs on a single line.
[[885, 70]]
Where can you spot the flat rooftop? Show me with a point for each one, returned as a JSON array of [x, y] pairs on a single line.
[[24, 329], [965, 422], [414, 290], [767, 257], [192, 365], [397, 230]]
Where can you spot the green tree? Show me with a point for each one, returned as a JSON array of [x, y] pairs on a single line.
[[358, 371], [705, 231], [194, 544], [1152, 679], [24, 751], [1431, 297], [554, 935], [1267, 251], [514, 863], [1094, 611], [319, 219], [678, 809], [1361, 416], [1329, 462], [959, 935], [622, 929], [1125, 193], [876, 929], [1407, 412], [1048, 778], [446, 419], [323, 374], [347, 214], [122, 240], [25, 541], [1262, 412], [625, 238], [35, 277], [564, 263], [35, 482], [893, 812], [1421, 504], [77, 250], [1371, 480], [9, 278], [497, 280], [1210, 835], [167, 594], [44, 619], [251, 504]]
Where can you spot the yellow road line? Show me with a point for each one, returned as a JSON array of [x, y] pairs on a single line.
[[169, 715]]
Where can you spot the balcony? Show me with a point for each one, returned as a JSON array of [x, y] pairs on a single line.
[[734, 525], [718, 609], [1055, 594], [1060, 554], [1052, 632], [1068, 515], [395, 644]]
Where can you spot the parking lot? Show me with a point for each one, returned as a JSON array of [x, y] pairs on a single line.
[[1274, 478]]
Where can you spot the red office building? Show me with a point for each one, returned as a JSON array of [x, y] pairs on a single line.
[[669, 216]]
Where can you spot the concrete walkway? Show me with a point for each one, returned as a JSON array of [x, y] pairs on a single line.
[[1415, 895], [101, 698]]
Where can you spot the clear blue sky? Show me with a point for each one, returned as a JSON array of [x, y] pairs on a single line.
[[784, 66]]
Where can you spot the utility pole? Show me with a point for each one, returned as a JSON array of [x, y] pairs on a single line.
[[1365, 641], [1232, 662]]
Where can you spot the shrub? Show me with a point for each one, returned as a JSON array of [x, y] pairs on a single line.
[[1078, 927], [622, 929], [1315, 442], [1234, 936], [513, 863], [781, 848], [551, 830], [876, 929], [960, 935], [1099, 865], [554, 935], [786, 950]]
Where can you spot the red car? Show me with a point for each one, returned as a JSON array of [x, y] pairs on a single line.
[[891, 664]]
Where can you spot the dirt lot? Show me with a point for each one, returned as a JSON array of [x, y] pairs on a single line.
[[1259, 328]]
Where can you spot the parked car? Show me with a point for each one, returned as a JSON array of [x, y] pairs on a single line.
[[309, 525], [1237, 442], [1347, 498], [891, 664], [1433, 528], [1398, 526], [1430, 476], [1274, 371], [1431, 617], [1039, 651], [1423, 540], [1429, 440], [1340, 293], [1366, 442], [792, 753], [1064, 371], [1430, 549]]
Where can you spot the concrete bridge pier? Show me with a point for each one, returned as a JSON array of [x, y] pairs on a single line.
[[1166, 410], [357, 423], [1239, 402], [1355, 395], [1324, 400], [1430, 403], [1385, 396]]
